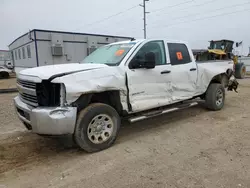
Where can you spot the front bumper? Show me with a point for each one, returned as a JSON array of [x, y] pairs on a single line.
[[46, 120]]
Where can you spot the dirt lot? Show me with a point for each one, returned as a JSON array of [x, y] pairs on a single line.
[[191, 148], [8, 83]]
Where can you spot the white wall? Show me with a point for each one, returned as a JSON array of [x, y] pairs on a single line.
[[74, 47], [246, 61], [21, 43]]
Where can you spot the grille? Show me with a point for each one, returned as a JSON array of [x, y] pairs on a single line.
[[26, 84], [27, 92]]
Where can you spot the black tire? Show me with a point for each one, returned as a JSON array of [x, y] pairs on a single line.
[[240, 70], [85, 117], [212, 94]]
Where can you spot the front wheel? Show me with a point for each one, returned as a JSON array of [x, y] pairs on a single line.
[[97, 127], [215, 97]]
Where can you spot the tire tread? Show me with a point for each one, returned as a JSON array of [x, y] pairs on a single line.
[[84, 145], [210, 97]]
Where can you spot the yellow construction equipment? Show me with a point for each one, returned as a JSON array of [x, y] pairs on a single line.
[[222, 50]]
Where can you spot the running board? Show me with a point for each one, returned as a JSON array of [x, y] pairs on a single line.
[[160, 112]]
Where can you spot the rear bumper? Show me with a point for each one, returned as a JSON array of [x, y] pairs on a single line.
[[46, 120]]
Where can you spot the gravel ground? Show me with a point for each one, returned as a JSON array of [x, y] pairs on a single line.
[[8, 83], [192, 148]]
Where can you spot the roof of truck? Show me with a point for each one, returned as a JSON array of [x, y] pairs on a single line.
[[142, 40]]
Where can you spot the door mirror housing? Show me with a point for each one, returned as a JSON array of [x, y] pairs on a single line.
[[149, 62]]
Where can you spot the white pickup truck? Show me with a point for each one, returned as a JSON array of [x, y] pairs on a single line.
[[135, 79]]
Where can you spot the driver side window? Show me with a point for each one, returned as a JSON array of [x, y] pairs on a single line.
[[157, 47]]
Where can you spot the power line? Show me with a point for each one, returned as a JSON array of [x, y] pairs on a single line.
[[204, 18], [107, 18], [134, 28], [205, 3], [178, 18], [157, 10]]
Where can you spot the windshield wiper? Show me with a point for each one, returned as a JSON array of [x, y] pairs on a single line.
[[111, 64]]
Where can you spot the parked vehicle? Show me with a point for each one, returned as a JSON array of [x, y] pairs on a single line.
[[4, 72], [135, 79]]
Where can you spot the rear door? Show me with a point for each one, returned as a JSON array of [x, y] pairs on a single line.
[[183, 71]]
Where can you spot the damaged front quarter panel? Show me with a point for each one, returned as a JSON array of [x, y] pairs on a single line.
[[93, 81]]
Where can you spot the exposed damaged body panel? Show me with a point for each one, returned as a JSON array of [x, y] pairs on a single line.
[[94, 81], [143, 89]]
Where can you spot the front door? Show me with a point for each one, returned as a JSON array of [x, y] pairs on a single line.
[[149, 88]]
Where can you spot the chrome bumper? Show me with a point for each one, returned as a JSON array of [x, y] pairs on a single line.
[[46, 120]]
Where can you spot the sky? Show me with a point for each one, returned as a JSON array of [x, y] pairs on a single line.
[[194, 21]]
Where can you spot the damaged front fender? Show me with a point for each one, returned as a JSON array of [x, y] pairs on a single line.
[[94, 81]]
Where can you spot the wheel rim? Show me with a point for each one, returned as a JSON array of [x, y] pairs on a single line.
[[100, 129], [219, 97]]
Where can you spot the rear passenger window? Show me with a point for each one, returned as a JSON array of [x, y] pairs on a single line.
[[179, 54]]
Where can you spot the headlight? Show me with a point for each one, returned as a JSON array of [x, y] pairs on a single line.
[[62, 95]]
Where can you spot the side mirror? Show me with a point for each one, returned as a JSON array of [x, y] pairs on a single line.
[[150, 60], [135, 64]]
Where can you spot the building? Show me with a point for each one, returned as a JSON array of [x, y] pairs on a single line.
[[4, 57], [44, 47]]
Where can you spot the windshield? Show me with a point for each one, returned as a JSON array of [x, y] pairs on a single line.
[[110, 54], [217, 45]]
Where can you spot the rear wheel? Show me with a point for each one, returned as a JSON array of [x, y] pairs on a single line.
[[240, 70], [215, 97], [97, 127]]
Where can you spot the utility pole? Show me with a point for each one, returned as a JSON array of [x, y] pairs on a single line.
[[144, 18]]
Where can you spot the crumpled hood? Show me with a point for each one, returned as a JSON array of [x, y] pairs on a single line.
[[46, 72], [93, 81]]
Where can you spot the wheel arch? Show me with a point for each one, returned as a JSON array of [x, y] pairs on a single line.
[[222, 78], [111, 97]]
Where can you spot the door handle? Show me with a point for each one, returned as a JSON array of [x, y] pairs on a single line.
[[165, 72], [193, 69]]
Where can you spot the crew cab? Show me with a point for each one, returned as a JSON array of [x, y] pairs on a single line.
[[135, 79]]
